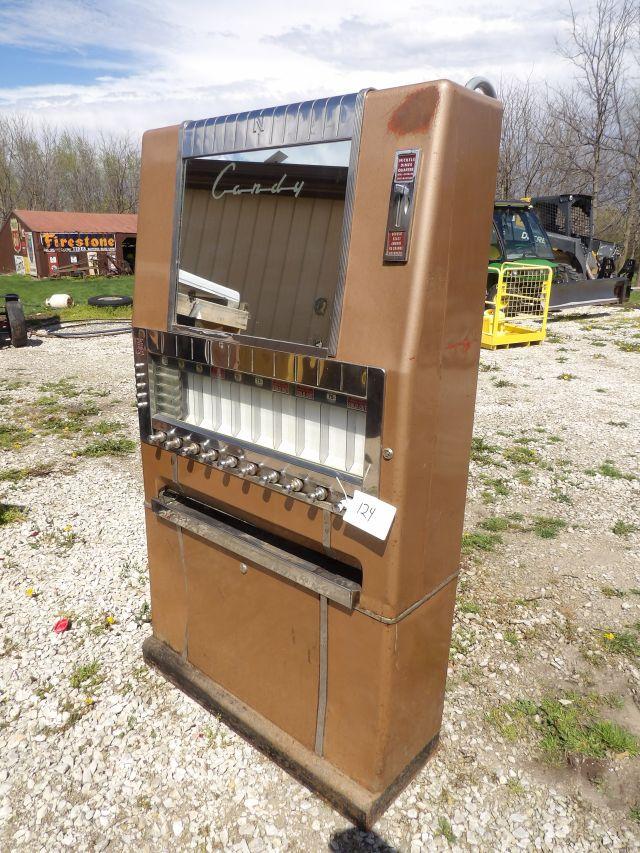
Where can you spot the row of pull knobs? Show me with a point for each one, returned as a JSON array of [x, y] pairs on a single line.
[[268, 476]]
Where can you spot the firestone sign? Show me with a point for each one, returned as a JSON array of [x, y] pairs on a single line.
[[77, 242]]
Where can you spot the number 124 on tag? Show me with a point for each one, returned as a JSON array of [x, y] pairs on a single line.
[[370, 514]]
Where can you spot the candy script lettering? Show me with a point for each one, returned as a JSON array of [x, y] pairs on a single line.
[[255, 189]]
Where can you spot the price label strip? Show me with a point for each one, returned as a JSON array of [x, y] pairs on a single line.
[[369, 514]]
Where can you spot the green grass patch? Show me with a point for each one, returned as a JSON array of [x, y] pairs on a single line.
[[521, 455], [612, 592], [465, 606], [15, 475], [481, 450], [624, 528], [34, 292], [564, 726], [621, 643], [13, 437], [86, 675], [610, 469], [628, 346], [548, 527], [109, 447], [10, 513], [104, 427], [62, 388], [444, 829], [495, 524], [480, 542]]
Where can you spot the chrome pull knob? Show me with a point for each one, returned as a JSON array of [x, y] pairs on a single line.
[[142, 404], [228, 462], [249, 469], [173, 444], [157, 437], [318, 494], [190, 448], [209, 456], [269, 476], [295, 484]]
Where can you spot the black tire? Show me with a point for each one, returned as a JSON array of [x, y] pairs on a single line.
[[17, 324], [109, 301]]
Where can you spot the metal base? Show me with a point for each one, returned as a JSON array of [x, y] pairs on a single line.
[[355, 802]]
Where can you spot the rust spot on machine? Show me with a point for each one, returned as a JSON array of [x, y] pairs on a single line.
[[304, 478], [415, 113]]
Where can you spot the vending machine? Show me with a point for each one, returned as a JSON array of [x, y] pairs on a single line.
[[310, 282]]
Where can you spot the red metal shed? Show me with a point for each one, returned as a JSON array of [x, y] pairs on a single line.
[[39, 242]]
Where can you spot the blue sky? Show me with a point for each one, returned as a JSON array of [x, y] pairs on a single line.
[[118, 65]]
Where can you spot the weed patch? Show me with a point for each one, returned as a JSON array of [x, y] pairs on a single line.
[[610, 469], [13, 437], [548, 527], [87, 675], [566, 726], [10, 513], [109, 447], [521, 455], [624, 528], [481, 451], [480, 542]]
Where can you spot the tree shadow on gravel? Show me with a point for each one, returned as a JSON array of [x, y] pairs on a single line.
[[356, 840]]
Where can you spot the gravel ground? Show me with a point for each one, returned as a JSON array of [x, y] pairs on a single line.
[[98, 752]]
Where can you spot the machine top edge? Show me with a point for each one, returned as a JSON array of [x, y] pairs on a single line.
[[322, 120]]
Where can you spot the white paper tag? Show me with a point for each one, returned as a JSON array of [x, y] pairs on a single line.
[[370, 514]]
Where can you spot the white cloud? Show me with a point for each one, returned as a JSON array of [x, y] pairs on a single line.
[[165, 61]]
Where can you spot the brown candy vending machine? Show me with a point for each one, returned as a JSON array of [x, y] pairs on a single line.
[[310, 283]]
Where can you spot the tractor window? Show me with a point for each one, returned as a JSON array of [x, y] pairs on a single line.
[[522, 233]]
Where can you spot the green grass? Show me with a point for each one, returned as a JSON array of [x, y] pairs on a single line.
[[109, 447], [13, 437], [468, 607], [612, 592], [480, 542], [622, 643], [628, 346], [521, 455], [481, 451], [548, 527], [15, 475], [624, 528], [9, 513], [444, 829], [33, 293], [564, 726], [86, 675], [610, 469], [104, 427]]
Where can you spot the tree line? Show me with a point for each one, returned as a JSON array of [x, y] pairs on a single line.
[[580, 136], [43, 168]]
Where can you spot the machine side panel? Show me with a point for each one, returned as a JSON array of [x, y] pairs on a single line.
[[156, 221], [423, 322]]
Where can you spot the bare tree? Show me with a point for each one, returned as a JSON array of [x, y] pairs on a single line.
[[597, 48]]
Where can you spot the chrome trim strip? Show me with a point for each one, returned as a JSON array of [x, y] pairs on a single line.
[[322, 120], [322, 677], [386, 620], [349, 200], [276, 560], [177, 229]]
